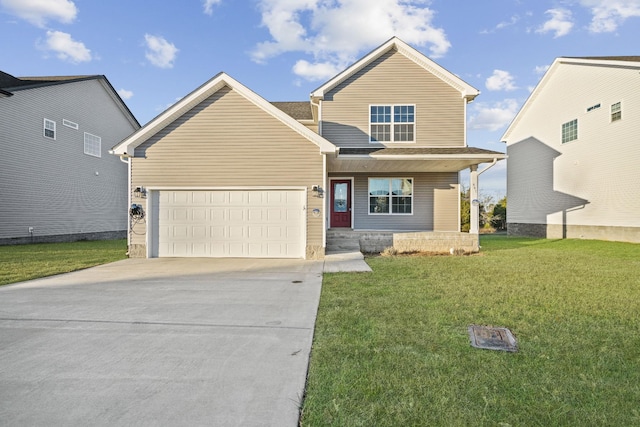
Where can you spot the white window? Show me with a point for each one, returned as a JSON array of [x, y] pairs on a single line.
[[49, 129], [390, 196], [616, 112], [570, 131], [92, 145], [392, 123], [69, 124]]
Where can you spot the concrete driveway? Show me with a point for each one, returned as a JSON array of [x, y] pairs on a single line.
[[217, 342]]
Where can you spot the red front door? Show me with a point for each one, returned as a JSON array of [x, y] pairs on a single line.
[[341, 203]]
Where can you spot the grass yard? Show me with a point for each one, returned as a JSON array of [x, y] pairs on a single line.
[[25, 262], [391, 347]]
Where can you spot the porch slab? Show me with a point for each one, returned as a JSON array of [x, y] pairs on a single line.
[[437, 242], [345, 262]]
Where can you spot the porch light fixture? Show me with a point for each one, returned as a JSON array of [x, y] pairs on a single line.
[[140, 192], [317, 191]]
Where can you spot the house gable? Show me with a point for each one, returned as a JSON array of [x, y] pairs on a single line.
[[394, 79], [222, 80], [578, 65], [465, 90], [226, 140]]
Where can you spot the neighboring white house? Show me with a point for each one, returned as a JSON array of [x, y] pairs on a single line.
[[574, 153], [57, 180]]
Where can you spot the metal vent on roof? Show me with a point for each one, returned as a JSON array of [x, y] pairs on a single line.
[[491, 338]]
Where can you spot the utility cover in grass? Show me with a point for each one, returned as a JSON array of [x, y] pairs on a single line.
[[492, 338]]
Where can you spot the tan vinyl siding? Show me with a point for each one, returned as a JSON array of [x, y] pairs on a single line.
[[589, 181], [435, 204], [51, 185], [226, 141], [394, 79]]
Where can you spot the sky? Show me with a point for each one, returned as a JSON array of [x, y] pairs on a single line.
[[156, 52]]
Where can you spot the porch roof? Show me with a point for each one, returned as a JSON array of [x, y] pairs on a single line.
[[411, 159]]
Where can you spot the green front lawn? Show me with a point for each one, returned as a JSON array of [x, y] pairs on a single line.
[[25, 262], [391, 347]]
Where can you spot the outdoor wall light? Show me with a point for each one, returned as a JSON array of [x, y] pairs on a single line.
[[140, 192], [317, 190]]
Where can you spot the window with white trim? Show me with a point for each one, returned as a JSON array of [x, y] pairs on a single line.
[[392, 123], [570, 131], [92, 145], [390, 196], [616, 112], [70, 124], [49, 129]]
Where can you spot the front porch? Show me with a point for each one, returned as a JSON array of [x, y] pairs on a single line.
[[340, 240]]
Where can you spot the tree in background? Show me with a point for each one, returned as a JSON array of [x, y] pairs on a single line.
[[499, 220], [493, 215], [465, 209]]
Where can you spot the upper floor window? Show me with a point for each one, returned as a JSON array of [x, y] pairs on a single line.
[[70, 124], [570, 131], [392, 123], [49, 129], [616, 112], [92, 145]]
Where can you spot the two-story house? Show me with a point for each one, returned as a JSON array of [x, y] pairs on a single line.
[[574, 150], [377, 150], [57, 179]]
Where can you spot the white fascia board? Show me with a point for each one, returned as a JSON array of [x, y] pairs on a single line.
[[467, 91], [488, 157], [127, 146]]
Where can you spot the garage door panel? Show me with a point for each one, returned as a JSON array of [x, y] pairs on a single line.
[[255, 215], [243, 223], [237, 197]]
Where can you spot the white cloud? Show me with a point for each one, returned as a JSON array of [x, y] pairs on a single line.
[[160, 52], [208, 5], [541, 69], [560, 22], [125, 94], [66, 48], [513, 21], [334, 33], [317, 71], [492, 117], [500, 80], [504, 24], [608, 15], [38, 12]]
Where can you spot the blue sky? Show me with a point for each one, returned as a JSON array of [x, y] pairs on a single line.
[[155, 52]]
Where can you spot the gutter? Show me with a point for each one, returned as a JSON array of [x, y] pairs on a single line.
[[495, 160]]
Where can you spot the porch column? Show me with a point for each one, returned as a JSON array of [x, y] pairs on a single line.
[[474, 203]]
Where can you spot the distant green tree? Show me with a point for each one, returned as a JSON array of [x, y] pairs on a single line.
[[499, 220], [465, 209]]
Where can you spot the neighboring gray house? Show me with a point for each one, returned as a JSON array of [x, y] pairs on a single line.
[[574, 150], [57, 180], [375, 152]]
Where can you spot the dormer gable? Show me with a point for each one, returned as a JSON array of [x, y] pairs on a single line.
[[466, 91]]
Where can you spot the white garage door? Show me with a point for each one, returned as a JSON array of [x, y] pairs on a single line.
[[238, 223]]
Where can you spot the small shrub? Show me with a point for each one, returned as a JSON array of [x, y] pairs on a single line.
[[390, 251]]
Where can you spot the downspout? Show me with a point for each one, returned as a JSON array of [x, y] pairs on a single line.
[[473, 196], [127, 160], [325, 206]]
